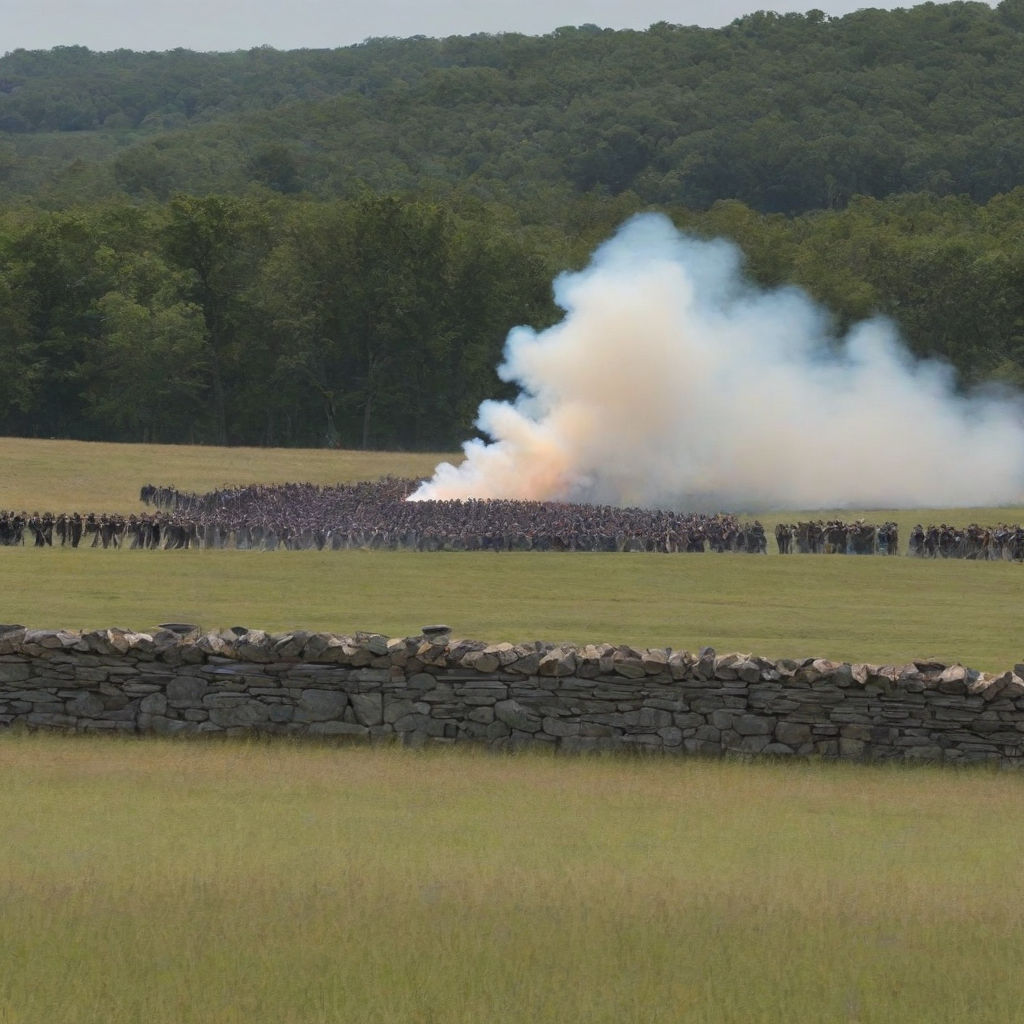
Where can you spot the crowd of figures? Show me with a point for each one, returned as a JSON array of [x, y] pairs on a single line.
[[378, 516], [91, 530], [993, 543], [836, 537]]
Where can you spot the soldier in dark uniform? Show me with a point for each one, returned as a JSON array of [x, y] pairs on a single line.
[[76, 526]]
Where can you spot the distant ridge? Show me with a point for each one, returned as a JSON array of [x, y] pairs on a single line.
[[786, 113]]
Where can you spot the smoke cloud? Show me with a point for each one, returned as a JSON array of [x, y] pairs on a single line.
[[674, 381]]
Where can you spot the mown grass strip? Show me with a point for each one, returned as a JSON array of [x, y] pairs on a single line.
[[858, 609]]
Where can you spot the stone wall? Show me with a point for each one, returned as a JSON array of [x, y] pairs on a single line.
[[422, 690]]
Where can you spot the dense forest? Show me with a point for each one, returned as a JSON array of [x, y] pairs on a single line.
[[786, 113], [328, 247]]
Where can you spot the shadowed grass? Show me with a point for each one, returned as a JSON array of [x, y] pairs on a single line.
[[266, 883], [858, 609]]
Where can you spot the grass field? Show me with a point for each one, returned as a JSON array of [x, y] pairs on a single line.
[[177, 883], [859, 609], [271, 883]]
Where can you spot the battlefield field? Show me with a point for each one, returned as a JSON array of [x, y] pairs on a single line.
[[159, 881]]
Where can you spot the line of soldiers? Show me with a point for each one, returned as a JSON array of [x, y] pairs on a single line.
[[427, 526], [69, 529], [989, 543], [92, 530], [377, 516], [836, 537]]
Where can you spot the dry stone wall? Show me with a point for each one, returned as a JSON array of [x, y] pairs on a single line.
[[433, 689]]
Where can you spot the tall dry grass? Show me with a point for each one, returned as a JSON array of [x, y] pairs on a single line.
[[161, 882]]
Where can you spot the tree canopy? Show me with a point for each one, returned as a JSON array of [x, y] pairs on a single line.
[[786, 113], [329, 247]]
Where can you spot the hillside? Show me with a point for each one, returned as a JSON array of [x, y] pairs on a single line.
[[329, 247], [784, 113]]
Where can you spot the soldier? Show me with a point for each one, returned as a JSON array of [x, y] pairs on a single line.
[[760, 542], [106, 532], [35, 524], [784, 538]]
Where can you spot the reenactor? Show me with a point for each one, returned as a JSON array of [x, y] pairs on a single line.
[[784, 538]]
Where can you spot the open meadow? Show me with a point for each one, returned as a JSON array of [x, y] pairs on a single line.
[[266, 882], [178, 882], [884, 610], [881, 610]]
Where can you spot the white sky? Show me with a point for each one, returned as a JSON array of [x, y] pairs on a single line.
[[290, 24]]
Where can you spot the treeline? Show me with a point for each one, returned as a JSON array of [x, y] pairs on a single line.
[[378, 321], [785, 113]]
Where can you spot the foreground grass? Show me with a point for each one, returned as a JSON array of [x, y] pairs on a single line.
[[160, 882], [857, 609]]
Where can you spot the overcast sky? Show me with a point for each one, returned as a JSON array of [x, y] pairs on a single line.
[[289, 24]]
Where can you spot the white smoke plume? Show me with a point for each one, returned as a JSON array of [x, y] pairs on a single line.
[[673, 381]]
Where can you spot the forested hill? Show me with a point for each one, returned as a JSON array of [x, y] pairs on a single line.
[[330, 246], [786, 113]]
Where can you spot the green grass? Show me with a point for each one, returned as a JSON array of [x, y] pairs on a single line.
[[172, 883], [857, 609], [875, 609], [211, 883]]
